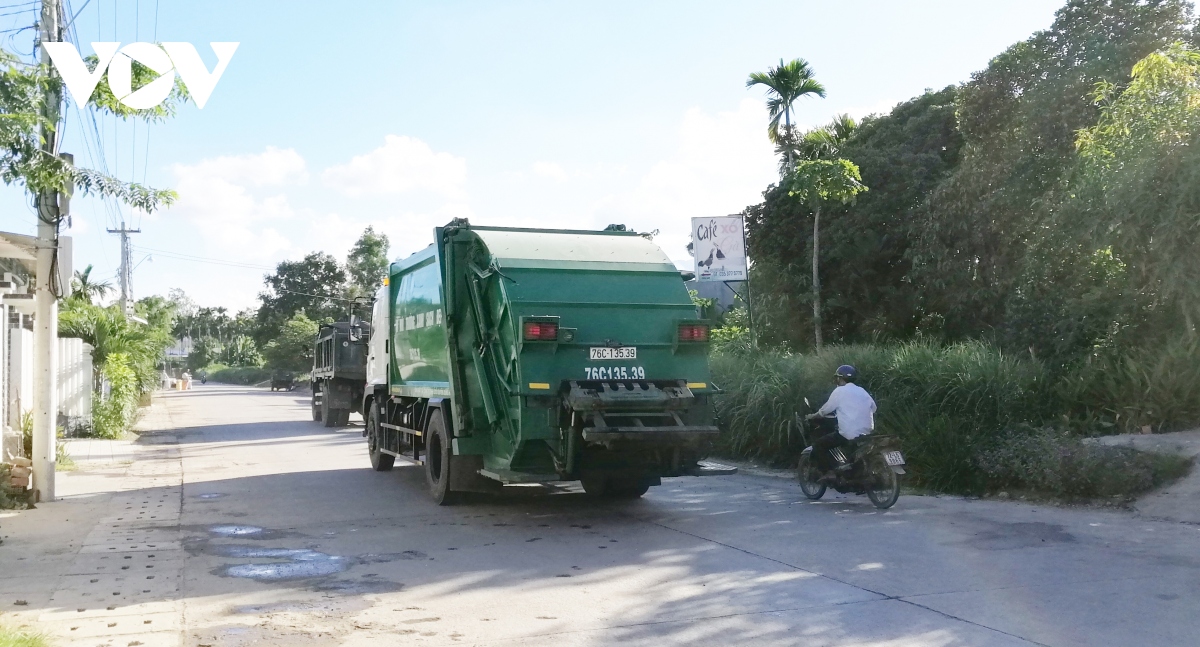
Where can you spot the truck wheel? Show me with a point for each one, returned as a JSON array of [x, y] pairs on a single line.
[[329, 415], [380, 462], [316, 408], [437, 460]]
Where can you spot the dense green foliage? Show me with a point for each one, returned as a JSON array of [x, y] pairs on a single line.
[[292, 350], [315, 285], [113, 415], [298, 297], [126, 354], [238, 374], [367, 262], [27, 93], [109, 331], [1048, 207], [864, 250], [943, 401]]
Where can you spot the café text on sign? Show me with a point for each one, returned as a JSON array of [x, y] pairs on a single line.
[[719, 246]]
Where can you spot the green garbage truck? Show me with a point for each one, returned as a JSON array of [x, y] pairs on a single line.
[[503, 356]]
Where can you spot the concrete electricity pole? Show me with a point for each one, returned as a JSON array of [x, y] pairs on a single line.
[[45, 334], [126, 265]]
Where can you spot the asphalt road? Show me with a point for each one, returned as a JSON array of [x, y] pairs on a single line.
[[288, 538]]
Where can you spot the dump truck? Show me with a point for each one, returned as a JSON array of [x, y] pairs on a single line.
[[339, 371], [505, 356]]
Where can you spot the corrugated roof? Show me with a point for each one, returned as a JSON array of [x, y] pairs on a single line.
[[558, 246]]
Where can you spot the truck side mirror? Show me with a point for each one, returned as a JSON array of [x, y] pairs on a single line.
[[355, 334]]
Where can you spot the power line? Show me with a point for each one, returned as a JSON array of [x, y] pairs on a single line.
[[201, 259]]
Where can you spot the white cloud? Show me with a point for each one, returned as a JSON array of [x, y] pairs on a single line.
[[550, 170], [216, 196], [272, 167], [722, 164], [402, 164]]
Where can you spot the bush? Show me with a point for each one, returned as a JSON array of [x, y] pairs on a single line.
[[240, 375], [1055, 462], [944, 402], [1156, 385], [10, 498], [113, 415]]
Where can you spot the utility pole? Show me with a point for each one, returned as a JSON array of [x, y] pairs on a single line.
[[45, 334], [126, 266]]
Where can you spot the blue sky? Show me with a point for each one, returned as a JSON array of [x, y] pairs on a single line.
[[404, 115]]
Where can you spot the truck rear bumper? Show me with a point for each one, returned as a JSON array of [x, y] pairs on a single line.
[[674, 434]]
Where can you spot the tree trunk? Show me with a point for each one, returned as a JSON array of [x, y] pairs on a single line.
[[787, 132], [816, 278]]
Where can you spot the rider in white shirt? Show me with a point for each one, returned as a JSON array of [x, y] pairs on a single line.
[[855, 411]]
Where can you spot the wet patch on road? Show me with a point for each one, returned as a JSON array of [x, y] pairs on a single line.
[[383, 558], [295, 564], [233, 530], [210, 495], [1009, 536], [357, 587]]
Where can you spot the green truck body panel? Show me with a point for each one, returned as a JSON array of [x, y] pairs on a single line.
[[530, 409]]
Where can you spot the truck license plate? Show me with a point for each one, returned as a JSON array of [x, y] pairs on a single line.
[[893, 458], [625, 352]]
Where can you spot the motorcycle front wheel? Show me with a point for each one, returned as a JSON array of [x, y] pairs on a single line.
[[884, 486], [807, 474]]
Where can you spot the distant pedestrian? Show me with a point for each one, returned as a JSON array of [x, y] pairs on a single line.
[[187, 380], [166, 380]]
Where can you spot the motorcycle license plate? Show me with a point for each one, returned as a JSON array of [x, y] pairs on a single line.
[[893, 458]]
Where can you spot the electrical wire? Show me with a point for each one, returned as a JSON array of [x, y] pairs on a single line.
[[200, 259]]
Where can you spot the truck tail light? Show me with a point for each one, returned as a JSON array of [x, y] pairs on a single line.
[[693, 332], [540, 331]]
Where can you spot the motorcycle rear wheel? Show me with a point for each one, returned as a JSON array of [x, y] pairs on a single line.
[[884, 486], [807, 475]]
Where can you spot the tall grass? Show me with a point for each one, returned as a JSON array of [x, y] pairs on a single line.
[[12, 637], [945, 402], [1157, 385]]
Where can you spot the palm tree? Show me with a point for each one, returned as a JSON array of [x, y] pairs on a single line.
[[785, 84], [87, 290], [827, 141]]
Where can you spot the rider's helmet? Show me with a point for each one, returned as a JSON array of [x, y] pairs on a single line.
[[846, 372]]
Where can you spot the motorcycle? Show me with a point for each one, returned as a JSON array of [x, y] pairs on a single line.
[[873, 468]]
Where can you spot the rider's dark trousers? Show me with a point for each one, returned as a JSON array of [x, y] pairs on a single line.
[[823, 445]]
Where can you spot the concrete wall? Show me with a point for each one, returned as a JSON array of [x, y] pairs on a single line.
[[20, 375], [74, 379]]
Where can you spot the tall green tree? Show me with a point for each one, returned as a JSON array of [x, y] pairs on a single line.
[[1019, 118], [315, 285], [1137, 190], [866, 291], [785, 84], [367, 262], [818, 182]]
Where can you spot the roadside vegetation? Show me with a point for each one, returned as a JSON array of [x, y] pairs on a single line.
[[10, 637], [126, 353], [1017, 271], [298, 297]]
